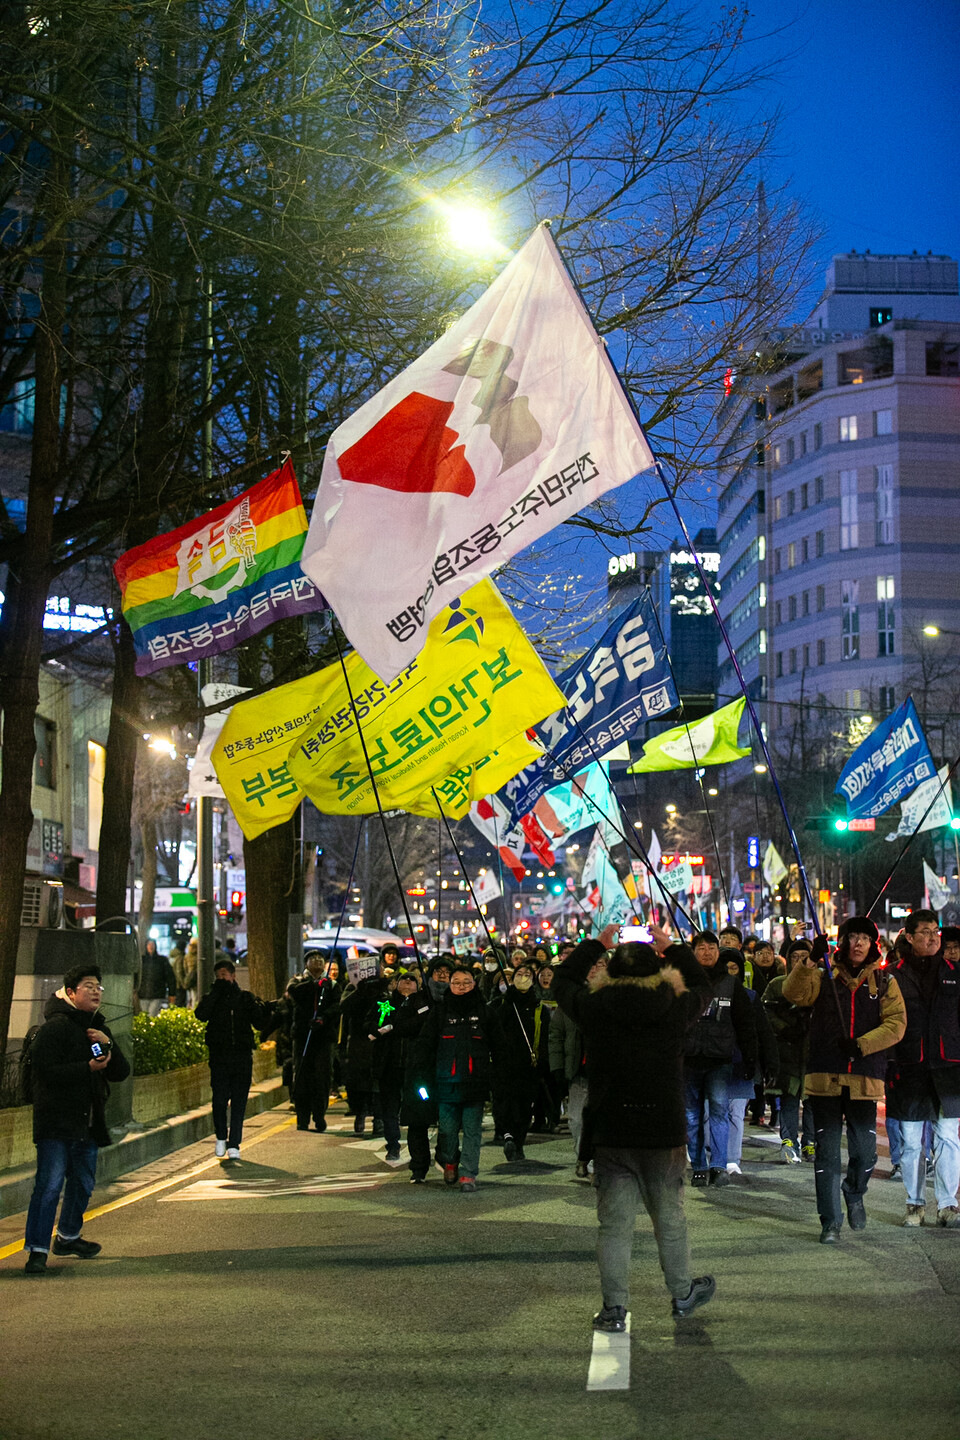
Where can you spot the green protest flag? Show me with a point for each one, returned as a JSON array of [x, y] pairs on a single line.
[[711, 741]]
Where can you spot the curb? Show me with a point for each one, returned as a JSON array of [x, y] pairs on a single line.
[[143, 1146]]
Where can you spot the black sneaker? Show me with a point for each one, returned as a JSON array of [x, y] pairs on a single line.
[[393, 1152], [520, 1153], [612, 1319], [700, 1178], [377, 1132], [320, 1127], [83, 1249], [856, 1214], [582, 1171], [418, 1179], [450, 1174], [701, 1290], [719, 1177], [511, 1149], [830, 1235], [36, 1263], [895, 1173]]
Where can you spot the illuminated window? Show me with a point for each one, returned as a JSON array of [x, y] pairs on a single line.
[[848, 427], [850, 619], [885, 615], [849, 528]]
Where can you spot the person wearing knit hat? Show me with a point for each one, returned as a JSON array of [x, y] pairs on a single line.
[[857, 1015], [924, 1078]]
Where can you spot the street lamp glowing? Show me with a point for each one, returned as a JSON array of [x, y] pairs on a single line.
[[670, 809], [932, 630], [163, 746], [468, 226], [760, 769], [713, 791]]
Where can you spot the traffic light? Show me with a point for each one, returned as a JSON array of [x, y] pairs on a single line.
[[557, 889], [955, 823], [236, 905]]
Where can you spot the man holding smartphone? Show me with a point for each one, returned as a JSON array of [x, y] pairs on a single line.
[[72, 1058]]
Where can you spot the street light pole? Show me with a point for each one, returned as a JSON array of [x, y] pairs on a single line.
[[205, 898]]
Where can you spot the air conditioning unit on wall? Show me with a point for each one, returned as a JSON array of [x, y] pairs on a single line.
[[42, 905]]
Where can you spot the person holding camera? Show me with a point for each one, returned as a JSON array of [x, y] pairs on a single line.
[[72, 1058], [231, 1016]]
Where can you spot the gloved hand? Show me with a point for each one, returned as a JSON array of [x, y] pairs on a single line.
[[850, 1048], [821, 949]]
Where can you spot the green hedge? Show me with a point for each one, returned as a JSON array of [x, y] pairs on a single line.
[[168, 1041]]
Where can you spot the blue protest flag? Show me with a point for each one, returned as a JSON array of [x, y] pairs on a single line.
[[887, 766], [622, 682]]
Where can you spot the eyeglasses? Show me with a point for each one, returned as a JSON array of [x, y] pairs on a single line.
[[927, 930], [93, 986], [461, 984]]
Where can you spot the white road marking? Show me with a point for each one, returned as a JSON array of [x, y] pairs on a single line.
[[610, 1361], [226, 1189]]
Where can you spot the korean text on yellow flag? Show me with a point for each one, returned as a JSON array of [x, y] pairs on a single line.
[[477, 684], [250, 756], [469, 783]]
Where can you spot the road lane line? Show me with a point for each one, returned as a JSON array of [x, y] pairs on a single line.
[[610, 1361], [161, 1184]]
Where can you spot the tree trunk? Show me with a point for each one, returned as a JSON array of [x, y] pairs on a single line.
[[121, 761], [26, 599], [269, 862], [148, 874]]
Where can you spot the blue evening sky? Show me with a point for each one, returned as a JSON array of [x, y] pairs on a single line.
[[869, 139]]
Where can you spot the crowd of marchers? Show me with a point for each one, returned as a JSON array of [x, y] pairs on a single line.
[[654, 1056]]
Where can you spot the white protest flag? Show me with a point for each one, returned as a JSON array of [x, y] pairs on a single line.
[[486, 887], [492, 819], [509, 424], [939, 893], [914, 807], [203, 778]]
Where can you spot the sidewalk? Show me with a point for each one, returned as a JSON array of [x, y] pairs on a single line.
[[141, 1147]]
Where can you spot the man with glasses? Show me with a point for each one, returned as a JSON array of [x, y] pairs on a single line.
[[72, 1058], [454, 1062], [924, 1079]]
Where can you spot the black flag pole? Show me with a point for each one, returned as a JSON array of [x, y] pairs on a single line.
[[376, 795], [910, 838]]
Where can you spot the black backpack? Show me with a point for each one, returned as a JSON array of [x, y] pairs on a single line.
[[25, 1067]]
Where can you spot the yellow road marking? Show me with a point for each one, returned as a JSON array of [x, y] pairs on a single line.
[[160, 1184]]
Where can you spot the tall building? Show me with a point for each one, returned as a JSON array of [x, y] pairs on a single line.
[[683, 610], [839, 508]]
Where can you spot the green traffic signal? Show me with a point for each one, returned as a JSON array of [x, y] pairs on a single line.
[[955, 823], [840, 824]]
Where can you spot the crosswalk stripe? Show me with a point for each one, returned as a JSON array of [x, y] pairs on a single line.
[[610, 1361]]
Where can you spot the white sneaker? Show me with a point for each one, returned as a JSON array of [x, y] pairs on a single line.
[[234, 1152], [788, 1154], [733, 1168], [220, 1149]]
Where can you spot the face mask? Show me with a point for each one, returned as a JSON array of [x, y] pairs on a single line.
[[437, 988], [490, 965], [522, 982], [502, 987]]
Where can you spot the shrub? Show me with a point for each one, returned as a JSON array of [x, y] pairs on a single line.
[[168, 1041]]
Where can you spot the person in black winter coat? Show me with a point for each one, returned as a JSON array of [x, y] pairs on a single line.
[[70, 1082], [231, 1016], [634, 1026], [459, 1042], [388, 1060], [361, 1009], [524, 1025], [727, 1024], [314, 1009], [157, 981]]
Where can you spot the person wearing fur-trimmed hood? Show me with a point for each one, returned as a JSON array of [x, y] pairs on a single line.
[[634, 1023]]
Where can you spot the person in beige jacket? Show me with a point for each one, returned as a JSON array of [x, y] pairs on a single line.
[[858, 1014]]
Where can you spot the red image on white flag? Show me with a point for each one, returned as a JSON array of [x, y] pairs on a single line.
[[511, 423]]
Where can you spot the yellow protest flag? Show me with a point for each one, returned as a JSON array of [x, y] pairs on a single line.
[[458, 791], [475, 687], [250, 757]]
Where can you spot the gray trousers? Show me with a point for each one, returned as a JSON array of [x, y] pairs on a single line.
[[624, 1178], [576, 1099]]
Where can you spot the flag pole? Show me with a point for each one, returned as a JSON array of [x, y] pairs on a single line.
[[910, 838], [716, 610], [376, 794], [697, 768], [483, 918]]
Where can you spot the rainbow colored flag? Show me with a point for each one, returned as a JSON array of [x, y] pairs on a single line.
[[218, 580]]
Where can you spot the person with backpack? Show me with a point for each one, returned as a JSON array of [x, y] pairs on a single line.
[[857, 1015], [232, 1017], [71, 1061]]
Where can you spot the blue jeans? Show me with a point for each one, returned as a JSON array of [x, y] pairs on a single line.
[[946, 1161], [453, 1118], [710, 1085], [57, 1160]]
